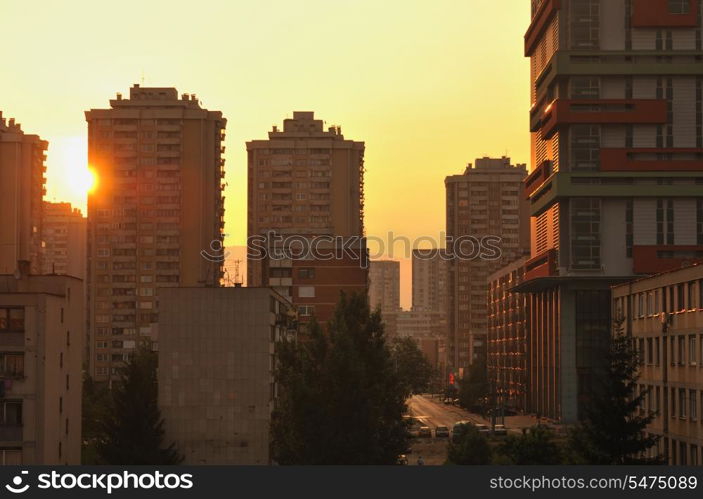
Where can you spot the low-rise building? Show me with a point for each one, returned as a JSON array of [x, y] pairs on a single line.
[[664, 316], [216, 363], [428, 329], [42, 327], [508, 346]]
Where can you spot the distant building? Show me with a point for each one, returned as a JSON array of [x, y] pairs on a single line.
[[509, 348], [64, 236], [42, 326], [156, 217], [384, 285], [485, 202], [428, 329], [664, 316], [430, 292], [216, 362], [306, 182], [22, 169], [420, 324], [430, 280]]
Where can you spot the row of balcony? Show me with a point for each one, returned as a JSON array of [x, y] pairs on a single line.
[[563, 112], [646, 260], [645, 14]]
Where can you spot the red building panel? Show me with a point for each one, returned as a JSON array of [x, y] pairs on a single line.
[[626, 160], [537, 177], [657, 259], [543, 265], [655, 14], [601, 111]]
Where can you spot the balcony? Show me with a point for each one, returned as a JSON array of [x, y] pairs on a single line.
[[540, 22], [12, 339], [655, 14], [651, 159], [10, 433], [600, 111], [543, 265], [537, 177], [657, 259]]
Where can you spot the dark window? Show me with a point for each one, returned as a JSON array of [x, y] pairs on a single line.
[[629, 227], [306, 273], [12, 320], [679, 6], [12, 364], [585, 233], [11, 413], [585, 24]]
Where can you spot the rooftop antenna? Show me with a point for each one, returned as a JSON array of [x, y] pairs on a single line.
[[237, 277]]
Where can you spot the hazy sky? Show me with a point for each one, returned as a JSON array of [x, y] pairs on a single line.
[[428, 85]]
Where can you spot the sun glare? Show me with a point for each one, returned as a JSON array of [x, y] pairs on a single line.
[[87, 180]]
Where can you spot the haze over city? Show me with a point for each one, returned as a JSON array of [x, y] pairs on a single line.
[[461, 232]]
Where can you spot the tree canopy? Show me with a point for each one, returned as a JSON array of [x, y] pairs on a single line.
[[340, 398], [412, 367], [613, 431], [132, 430]]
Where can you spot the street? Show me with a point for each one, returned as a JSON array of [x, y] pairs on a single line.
[[434, 413]]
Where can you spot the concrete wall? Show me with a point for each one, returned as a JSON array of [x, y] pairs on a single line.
[[216, 387]]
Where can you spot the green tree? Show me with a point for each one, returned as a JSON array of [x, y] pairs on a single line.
[[613, 433], [474, 387], [413, 369], [536, 447], [96, 409], [470, 448], [340, 398], [133, 429]]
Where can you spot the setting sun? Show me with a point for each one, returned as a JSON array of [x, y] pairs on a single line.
[[87, 180]]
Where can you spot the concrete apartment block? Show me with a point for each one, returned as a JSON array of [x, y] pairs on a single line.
[[216, 360], [42, 326]]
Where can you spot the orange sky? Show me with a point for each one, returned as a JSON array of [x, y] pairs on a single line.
[[429, 86]]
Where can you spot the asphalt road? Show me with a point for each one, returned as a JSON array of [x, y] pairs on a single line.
[[434, 413]]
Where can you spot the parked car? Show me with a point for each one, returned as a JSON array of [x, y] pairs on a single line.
[[425, 432], [482, 428], [441, 432], [403, 459], [500, 430]]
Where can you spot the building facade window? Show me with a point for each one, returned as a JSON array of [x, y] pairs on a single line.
[[585, 234], [585, 24], [693, 404], [585, 87], [11, 320], [585, 147], [11, 413], [692, 351], [12, 364], [679, 6]]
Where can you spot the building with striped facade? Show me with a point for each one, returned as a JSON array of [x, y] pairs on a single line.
[[616, 184]]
